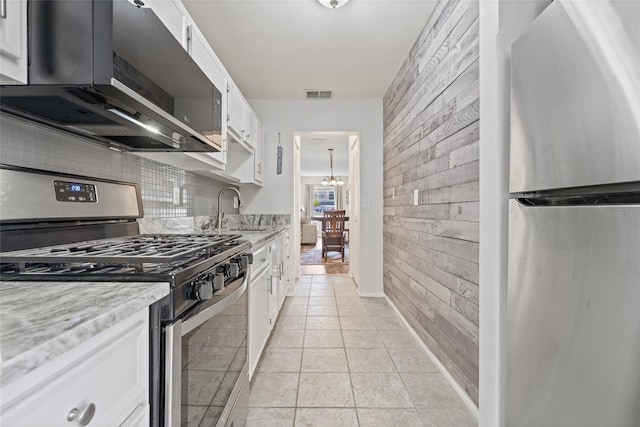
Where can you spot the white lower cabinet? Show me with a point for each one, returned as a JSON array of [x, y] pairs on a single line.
[[259, 305], [279, 249], [102, 382], [286, 270], [267, 291]]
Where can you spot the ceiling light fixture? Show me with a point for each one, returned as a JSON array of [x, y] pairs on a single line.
[[332, 180], [333, 4]]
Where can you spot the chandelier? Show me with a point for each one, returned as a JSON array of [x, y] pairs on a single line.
[[332, 180], [333, 4]]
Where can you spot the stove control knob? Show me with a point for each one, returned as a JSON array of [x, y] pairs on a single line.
[[218, 281], [244, 260], [235, 270], [225, 269], [202, 290]]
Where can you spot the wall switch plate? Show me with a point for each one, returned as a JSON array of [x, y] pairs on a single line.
[[235, 202], [416, 196], [176, 195]]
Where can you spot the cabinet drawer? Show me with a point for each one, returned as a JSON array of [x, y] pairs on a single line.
[[111, 374], [260, 258]]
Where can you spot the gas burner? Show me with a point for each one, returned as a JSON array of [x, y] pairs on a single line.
[[154, 248], [171, 257]]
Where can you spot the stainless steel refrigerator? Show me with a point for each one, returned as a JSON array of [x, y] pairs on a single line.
[[573, 306]]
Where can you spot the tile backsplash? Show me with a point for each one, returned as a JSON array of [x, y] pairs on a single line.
[[27, 144]]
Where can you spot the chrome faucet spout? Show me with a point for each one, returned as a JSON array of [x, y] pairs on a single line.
[[219, 223]]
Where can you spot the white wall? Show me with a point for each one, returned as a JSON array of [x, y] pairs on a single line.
[[501, 22], [290, 116]]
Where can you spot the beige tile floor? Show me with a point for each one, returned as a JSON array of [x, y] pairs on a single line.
[[335, 359]]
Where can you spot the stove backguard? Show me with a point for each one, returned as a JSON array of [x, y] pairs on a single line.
[[43, 208]]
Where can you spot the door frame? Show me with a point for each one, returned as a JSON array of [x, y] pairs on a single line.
[[354, 197]]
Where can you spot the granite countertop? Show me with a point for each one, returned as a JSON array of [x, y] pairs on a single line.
[[258, 238], [57, 316], [256, 229], [255, 237]]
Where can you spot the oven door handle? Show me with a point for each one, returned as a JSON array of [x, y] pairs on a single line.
[[173, 374], [193, 322]]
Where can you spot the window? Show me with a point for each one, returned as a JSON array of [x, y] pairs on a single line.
[[324, 199]]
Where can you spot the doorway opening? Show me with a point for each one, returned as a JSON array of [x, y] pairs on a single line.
[[313, 197]]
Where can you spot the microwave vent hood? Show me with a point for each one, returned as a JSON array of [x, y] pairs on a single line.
[[113, 72]]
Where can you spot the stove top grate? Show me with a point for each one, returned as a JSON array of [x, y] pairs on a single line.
[[135, 250]]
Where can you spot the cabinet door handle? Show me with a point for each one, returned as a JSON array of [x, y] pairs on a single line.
[[83, 416], [189, 36], [3, 9]]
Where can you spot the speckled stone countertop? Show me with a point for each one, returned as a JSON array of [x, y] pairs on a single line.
[[40, 321], [256, 229], [258, 238]]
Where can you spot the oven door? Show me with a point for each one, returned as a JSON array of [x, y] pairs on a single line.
[[206, 371]]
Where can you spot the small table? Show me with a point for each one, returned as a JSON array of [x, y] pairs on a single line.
[[322, 218]]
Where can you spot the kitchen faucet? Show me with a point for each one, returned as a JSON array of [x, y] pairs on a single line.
[[219, 223]]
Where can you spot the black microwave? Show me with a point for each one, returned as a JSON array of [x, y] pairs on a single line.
[[112, 71]]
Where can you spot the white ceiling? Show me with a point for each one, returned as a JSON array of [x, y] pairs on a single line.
[[314, 155], [279, 48]]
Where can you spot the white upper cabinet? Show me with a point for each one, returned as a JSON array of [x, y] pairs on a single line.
[[249, 124], [258, 154], [13, 41], [204, 56], [241, 158], [245, 162], [172, 15], [237, 117]]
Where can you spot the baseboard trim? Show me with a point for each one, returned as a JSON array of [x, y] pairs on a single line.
[[470, 404], [372, 294]]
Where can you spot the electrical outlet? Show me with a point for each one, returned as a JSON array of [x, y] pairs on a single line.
[[416, 197]]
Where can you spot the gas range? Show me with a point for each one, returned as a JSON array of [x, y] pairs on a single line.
[[56, 227], [153, 257], [196, 266]]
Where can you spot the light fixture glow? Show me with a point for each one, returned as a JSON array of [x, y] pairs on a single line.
[[332, 180], [333, 4], [132, 120]]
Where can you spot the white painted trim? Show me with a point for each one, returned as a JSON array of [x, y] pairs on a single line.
[[471, 406], [296, 207], [493, 220], [371, 294]]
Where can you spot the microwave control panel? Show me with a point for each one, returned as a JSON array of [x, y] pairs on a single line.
[[67, 191]]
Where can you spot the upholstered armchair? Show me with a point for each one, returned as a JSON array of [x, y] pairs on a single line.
[[308, 232]]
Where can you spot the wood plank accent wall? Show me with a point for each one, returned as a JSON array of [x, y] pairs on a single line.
[[431, 128]]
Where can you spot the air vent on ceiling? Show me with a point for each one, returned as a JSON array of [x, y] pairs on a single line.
[[318, 94]]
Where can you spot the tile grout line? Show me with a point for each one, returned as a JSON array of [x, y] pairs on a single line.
[[386, 347], [304, 336]]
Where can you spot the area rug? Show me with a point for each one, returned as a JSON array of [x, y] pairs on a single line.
[[312, 255]]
